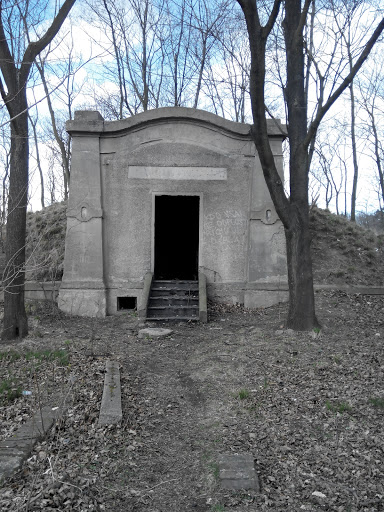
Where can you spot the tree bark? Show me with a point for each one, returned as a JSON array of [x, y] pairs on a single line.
[[15, 318], [301, 310], [15, 75], [354, 155], [301, 313]]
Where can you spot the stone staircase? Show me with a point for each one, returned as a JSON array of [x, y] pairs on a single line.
[[173, 301]]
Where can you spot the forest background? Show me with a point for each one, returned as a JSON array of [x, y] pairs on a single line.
[[127, 56]]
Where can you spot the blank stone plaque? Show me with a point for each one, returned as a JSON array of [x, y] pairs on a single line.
[[237, 471]]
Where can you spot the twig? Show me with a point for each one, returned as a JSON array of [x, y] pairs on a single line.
[[161, 483]]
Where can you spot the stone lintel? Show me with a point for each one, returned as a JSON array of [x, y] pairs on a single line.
[[177, 173]]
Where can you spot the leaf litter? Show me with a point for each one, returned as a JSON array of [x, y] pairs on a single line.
[[308, 407]]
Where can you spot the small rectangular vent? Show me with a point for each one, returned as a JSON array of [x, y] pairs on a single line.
[[126, 303]]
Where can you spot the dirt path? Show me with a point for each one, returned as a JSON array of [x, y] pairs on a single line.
[[183, 381]]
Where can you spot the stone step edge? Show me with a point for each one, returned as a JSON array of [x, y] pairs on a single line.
[[174, 306], [176, 281], [185, 300], [174, 296], [172, 319], [175, 285]]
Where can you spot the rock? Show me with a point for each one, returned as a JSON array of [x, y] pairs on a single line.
[[42, 455], [318, 494], [154, 332]]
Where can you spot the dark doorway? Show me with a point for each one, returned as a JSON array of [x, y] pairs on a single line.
[[176, 237]]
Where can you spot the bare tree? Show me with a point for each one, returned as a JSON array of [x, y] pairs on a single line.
[[60, 99], [33, 122], [293, 211], [347, 11], [5, 153], [327, 165], [19, 25], [371, 98], [232, 77]]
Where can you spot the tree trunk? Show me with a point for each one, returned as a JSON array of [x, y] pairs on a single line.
[[14, 95], [354, 155], [301, 312], [38, 162], [15, 318]]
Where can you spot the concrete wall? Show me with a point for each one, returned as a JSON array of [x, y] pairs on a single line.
[[34, 290], [119, 167], [50, 290]]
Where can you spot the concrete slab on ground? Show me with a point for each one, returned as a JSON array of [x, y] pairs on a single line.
[[16, 449], [154, 332], [110, 410], [237, 471]]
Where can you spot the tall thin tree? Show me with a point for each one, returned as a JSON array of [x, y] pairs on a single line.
[[17, 54], [293, 210]]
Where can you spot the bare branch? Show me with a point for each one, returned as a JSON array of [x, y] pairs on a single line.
[[346, 82], [36, 47]]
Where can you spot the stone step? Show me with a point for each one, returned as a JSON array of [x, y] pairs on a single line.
[[161, 292], [175, 285], [176, 311], [173, 319], [173, 300]]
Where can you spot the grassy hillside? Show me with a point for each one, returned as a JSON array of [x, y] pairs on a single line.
[[343, 252], [46, 242]]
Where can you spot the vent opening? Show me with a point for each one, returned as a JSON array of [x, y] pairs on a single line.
[[126, 303]]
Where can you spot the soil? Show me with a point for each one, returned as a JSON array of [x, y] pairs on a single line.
[[309, 407], [344, 252]]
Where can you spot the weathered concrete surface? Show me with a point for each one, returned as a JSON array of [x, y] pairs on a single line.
[[36, 290], [16, 449], [83, 287], [203, 313], [237, 471], [110, 410], [118, 169], [142, 309], [264, 298], [154, 332]]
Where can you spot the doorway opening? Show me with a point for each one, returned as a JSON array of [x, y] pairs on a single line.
[[177, 237]]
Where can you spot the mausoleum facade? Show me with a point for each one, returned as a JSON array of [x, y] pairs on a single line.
[[173, 192]]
